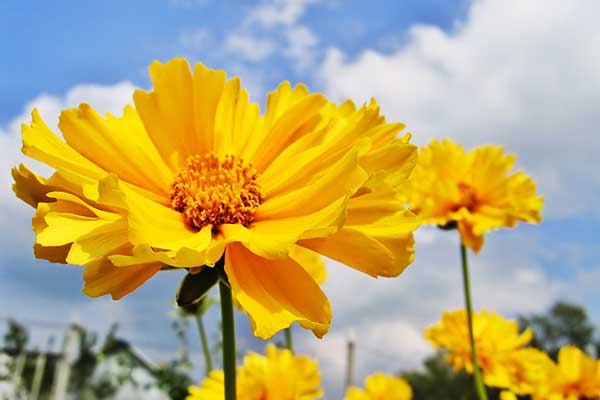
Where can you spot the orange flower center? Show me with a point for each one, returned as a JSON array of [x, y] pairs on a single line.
[[468, 197], [209, 191]]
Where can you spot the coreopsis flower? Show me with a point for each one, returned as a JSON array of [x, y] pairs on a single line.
[[476, 191], [195, 174], [526, 370], [497, 342], [279, 375], [380, 386], [575, 376], [507, 395]]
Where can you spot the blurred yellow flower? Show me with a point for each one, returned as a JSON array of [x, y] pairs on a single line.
[[507, 395], [575, 376], [526, 370], [194, 172], [475, 190], [381, 387], [277, 376], [497, 341]]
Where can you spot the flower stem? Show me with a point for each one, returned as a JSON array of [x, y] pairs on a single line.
[[479, 387], [289, 344], [207, 358], [228, 340]]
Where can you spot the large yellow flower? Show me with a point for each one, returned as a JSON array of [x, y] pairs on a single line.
[[277, 376], [575, 376], [194, 173], [475, 190], [381, 387], [497, 342]]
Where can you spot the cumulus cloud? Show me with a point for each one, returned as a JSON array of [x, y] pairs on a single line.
[[522, 74], [249, 47], [272, 13], [274, 27]]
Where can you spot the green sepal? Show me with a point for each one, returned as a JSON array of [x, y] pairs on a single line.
[[194, 287]]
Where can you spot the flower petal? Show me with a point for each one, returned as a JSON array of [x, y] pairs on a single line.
[[119, 145], [377, 236], [168, 111], [276, 293], [291, 112], [341, 179], [102, 277], [41, 144]]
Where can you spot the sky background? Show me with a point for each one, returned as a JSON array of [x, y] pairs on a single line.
[[525, 75]]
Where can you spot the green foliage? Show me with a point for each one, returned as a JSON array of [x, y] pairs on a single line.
[[563, 324], [16, 337], [172, 381]]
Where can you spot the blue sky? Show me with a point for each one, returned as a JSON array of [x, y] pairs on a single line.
[[493, 71]]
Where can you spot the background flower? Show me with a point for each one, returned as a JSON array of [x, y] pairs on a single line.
[[278, 375], [379, 386], [475, 190]]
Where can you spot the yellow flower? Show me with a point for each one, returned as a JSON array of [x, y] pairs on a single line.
[[277, 376], [526, 370], [507, 395], [381, 387], [496, 341], [194, 172], [575, 376], [475, 190]]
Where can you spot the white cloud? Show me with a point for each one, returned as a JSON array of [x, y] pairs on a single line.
[[272, 27], [278, 12], [199, 39], [249, 47], [301, 45], [522, 74]]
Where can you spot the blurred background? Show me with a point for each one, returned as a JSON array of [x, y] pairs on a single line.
[[523, 74]]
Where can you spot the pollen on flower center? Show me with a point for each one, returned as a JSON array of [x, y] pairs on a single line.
[[209, 191]]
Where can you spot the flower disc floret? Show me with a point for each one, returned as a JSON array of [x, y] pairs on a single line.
[[209, 191]]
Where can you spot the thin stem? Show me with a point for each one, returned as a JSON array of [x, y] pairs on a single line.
[[479, 387], [207, 358], [289, 344], [228, 340]]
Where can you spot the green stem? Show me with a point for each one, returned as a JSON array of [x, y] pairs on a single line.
[[207, 359], [228, 340], [479, 387], [288, 339]]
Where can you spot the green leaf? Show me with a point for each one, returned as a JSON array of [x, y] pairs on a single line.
[[194, 287]]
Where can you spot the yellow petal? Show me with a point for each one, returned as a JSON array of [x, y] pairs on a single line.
[[90, 232], [396, 158], [377, 236], [289, 112], [468, 237], [341, 179], [119, 145], [40, 143], [207, 89], [276, 293], [54, 254], [168, 111], [274, 238], [30, 187], [311, 261], [159, 226], [102, 277]]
